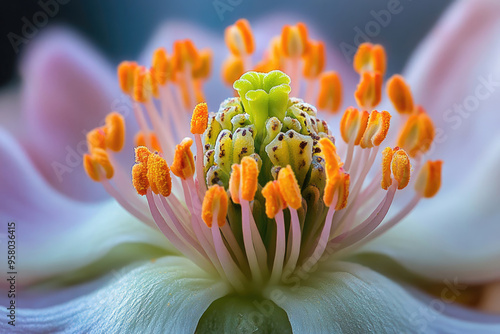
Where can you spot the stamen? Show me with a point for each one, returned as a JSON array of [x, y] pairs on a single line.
[[159, 175], [144, 86], [396, 161], [126, 74], [417, 134], [161, 67], [91, 168], [314, 60], [199, 120], [101, 157], [376, 130], [429, 179], [140, 170], [140, 140], [115, 131], [369, 91], [275, 202], [400, 94], [249, 174], [232, 69], [371, 58], [185, 54], [96, 139], [294, 42], [330, 92], [215, 200], [289, 187], [183, 165], [239, 38]]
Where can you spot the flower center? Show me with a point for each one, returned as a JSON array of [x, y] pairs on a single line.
[[267, 193]]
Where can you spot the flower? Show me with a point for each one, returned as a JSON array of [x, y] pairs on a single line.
[[172, 293]]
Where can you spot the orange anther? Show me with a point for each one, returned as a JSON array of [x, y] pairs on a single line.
[[161, 68], [142, 154], [376, 130], [185, 53], [371, 58], [397, 162], [400, 94], [101, 157], [96, 139], [199, 120], [234, 183], [144, 85], [126, 72], [232, 70], [294, 42], [159, 175], [289, 187], [330, 91], [91, 168], [369, 90], [215, 201], [183, 165], [314, 60], [201, 70], [140, 178], [115, 131], [417, 134], [339, 185], [274, 199], [249, 175], [353, 125], [239, 38], [429, 179], [332, 159]]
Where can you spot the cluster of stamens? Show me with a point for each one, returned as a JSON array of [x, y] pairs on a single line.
[[267, 193]]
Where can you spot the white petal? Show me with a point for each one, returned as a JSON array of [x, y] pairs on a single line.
[[169, 295], [349, 298], [453, 236], [54, 233]]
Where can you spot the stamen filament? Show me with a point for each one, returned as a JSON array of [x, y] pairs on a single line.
[[279, 256]]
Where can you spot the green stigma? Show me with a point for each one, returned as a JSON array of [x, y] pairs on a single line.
[[268, 125]]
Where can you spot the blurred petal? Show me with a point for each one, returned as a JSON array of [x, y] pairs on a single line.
[[457, 236], [54, 233], [68, 89], [168, 295], [349, 298], [455, 75]]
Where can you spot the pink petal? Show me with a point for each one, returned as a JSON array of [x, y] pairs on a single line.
[[67, 89]]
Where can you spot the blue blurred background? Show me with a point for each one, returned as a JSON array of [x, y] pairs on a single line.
[[121, 28]]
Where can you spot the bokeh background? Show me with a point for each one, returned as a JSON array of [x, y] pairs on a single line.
[[121, 28]]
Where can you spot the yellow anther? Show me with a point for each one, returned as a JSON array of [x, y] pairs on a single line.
[[400, 94], [369, 90], [396, 162], [183, 165], [115, 131], [91, 168], [199, 120], [232, 70], [332, 159], [161, 67], [338, 185], [330, 91], [140, 140], [289, 187], [101, 157], [215, 201], [353, 125], [239, 38], [417, 134], [96, 139], [201, 70], [376, 130], [314, 60], [140, 178], [144, 85], [249, 175], [371, 58], [159, 175], [142, 154], [185, 54], [126, 72], [294, 41], [274, 198], [429, 179], [234, 183]]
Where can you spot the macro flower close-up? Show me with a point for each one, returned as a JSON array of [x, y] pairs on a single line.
[[259, 178]]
